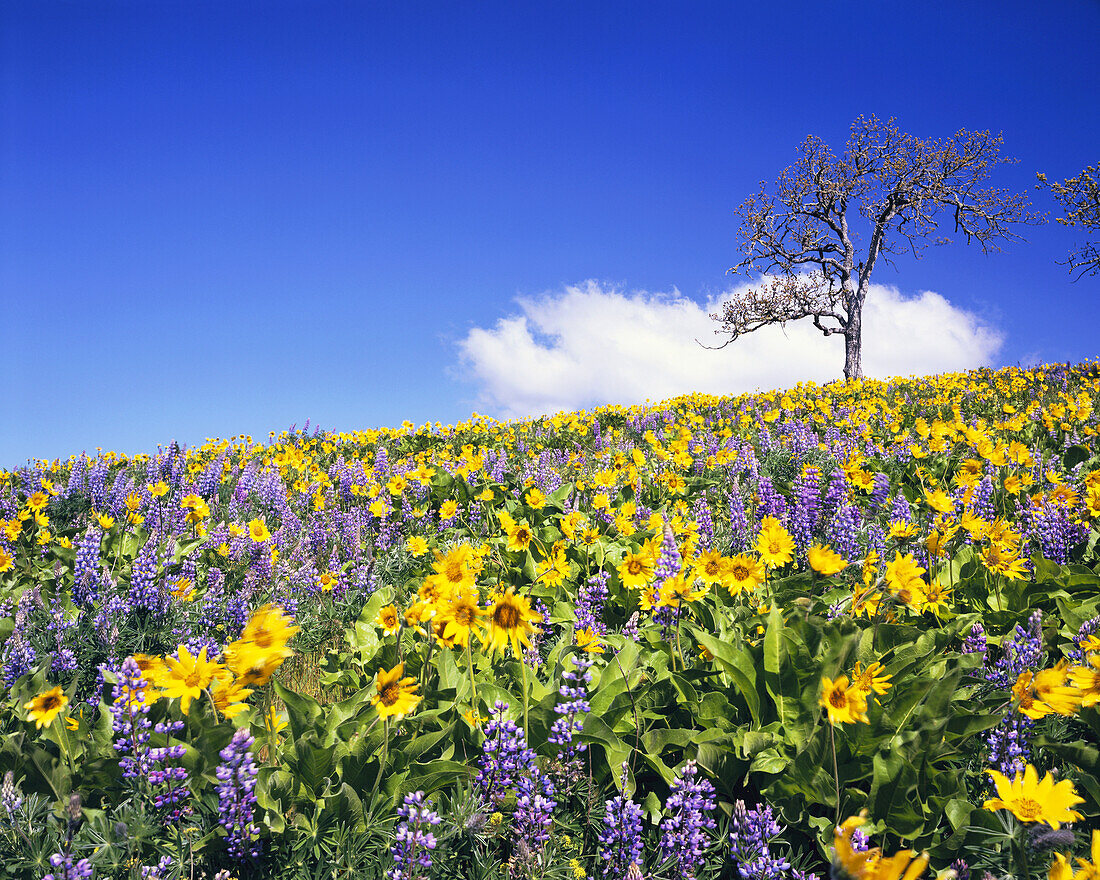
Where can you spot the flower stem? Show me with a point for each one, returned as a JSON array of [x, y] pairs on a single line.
[[836, 773]]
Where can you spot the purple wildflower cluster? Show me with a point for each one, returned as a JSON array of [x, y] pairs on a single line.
[[1009, 742], [505, 756], [66, 869], [751, 833], [571, 710], [591, 597], [413, 838], [619, 843], [684, 837], [236, 796]]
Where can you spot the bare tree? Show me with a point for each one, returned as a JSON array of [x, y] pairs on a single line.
[[1079, 199], [800, 238]]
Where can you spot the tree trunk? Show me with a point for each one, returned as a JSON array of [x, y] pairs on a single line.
[[853, 347]]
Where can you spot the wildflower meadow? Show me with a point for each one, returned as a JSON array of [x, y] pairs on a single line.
[[847, 631]]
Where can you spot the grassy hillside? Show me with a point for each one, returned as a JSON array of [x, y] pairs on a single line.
[[686, 639]]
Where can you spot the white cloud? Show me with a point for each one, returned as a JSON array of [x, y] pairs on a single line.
[[590, 345]]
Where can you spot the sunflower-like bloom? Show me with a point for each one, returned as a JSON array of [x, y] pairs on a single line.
[[1030, 799], [774, 543], [461, 615], [258, 531], [844, 703], [186, 676], [873, 679], [824, 560], [229, 695], [454, 570], [870, 864], [1042, 693], [1004, 559], [388, 620], [262, 647], [636, 570], [510, 622], [742, 573], [709, 567], [904, 577], [395, 695], [45, 707]]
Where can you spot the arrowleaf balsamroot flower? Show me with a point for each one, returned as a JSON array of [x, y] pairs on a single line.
[[850, 863], [395, 695], [510, 621], [45, 707], [844, 703], [1031, 799], [187, 676], [825, 561], [774, 543], [743, 573]]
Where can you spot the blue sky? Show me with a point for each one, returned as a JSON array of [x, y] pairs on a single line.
[[227, 217]]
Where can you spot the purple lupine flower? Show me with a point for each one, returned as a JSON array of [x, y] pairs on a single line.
[[11, 798], [843, 532], [144, 592], [413, 839], [770, 502], [590, 602], [684, 832], [620, 840], [741, 537], [1010, 744], [505, 756], [130, 721], [69, 870], [168, 781], [86, 568], [975, 642], [751, 832], [534, 806], [670, 561], [701, 512], [806, 497], [881, 490], [1088, 628], [236, 798], [159, 871], [571, 711]]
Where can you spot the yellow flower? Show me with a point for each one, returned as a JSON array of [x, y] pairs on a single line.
[[708, 567], [158, 489], [258, 531], [105, 521], [5, 560], [416, 545], [45, 707], [636, 569], [460, 615], [774, 543], [904, 576], [742, 572], [187, 676], [510, 621], [395, 695], [519, 536], [844, 704], [388, 620], [589, 641], [870, 864], [1030, 799], [535, 498], [229, 696], [824, 560], [873, 679]]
